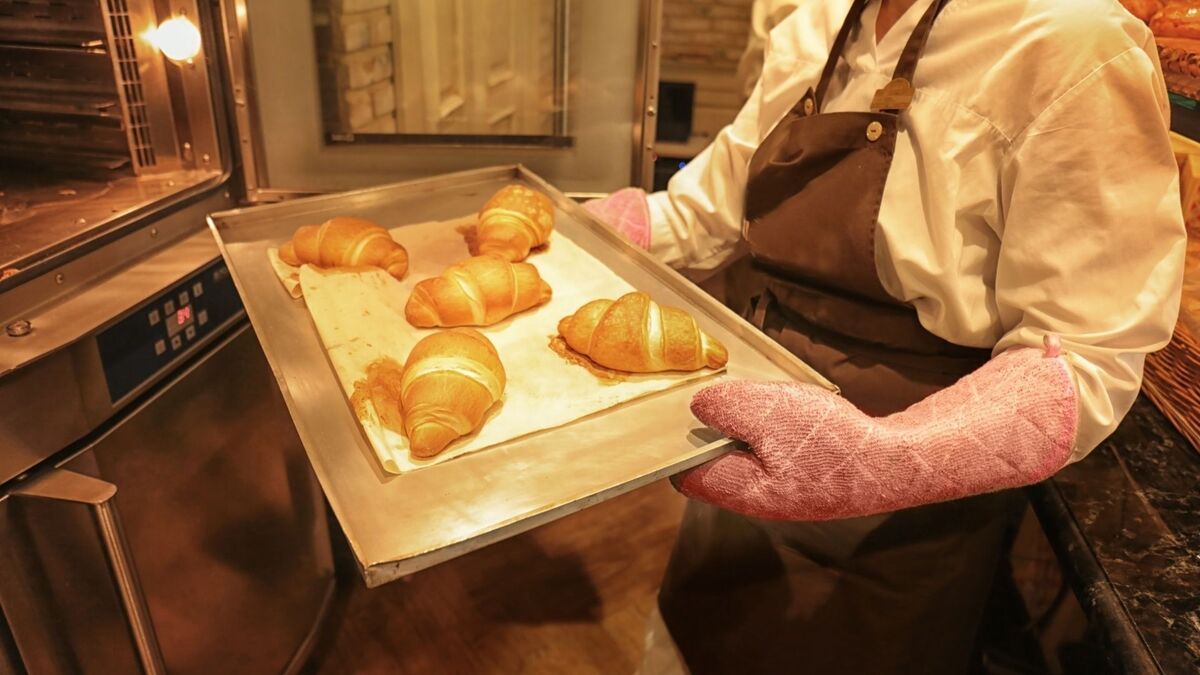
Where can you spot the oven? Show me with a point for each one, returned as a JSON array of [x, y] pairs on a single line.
[[157, 513], [157, 510]]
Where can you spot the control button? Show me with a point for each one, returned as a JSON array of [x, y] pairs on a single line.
[[169, 307], [202, 317], [197, 289], [190, 332], [155, 317], [176, 342], [160, 347], [183, 298]]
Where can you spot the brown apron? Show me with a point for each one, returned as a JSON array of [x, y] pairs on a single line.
[[893, 593]]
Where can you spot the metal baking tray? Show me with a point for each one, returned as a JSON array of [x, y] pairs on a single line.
[[398, 524]]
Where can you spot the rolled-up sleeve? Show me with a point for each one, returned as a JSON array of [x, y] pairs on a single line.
[[1093, 241]]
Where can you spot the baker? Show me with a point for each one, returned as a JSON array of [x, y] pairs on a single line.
[[969, 218]]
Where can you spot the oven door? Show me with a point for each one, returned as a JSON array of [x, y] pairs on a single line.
[[336, 94], [190, 537]]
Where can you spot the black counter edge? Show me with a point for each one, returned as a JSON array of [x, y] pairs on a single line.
[[1091, 585]]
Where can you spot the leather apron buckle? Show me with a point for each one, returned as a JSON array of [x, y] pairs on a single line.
[[894, 96]]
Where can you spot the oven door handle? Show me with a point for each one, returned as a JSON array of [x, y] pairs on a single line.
[[67, 486]]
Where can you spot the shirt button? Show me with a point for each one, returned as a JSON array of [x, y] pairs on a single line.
[[874, 131], [808, 106]]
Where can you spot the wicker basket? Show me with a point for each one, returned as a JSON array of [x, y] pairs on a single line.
[[1172, 378], [1172, 382]]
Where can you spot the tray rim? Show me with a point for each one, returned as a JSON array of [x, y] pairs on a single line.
[[378, 572]]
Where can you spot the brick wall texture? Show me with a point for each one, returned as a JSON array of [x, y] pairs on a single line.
[[709, 33], [354, 42]]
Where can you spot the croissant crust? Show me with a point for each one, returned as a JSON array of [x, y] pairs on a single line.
[[635, 334], [479, 291], [452, 378], [514, 221], [346, 242]]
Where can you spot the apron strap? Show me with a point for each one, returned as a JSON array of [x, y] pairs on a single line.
[[839, 45], [759, 307], [907, 65]]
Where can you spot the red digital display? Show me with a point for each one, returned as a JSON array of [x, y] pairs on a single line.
[[182, 318]]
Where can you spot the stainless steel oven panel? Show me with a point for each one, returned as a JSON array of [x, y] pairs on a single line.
[[277, 108], [68, 487], [221, 518], [61, 547], [70, 301], [45, 394], [53, 374]]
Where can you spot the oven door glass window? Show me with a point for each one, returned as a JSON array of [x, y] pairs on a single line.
[[462, 71], [342, 94]]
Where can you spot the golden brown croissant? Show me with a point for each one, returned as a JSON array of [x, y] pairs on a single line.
[[636, 335], [346, 242], [478, 291], [450, 381], [515, 220]]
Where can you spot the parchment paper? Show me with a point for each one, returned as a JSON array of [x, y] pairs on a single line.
[[359, 315]]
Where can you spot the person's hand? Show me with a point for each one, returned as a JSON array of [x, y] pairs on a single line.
[[627, 212], [814, 456]]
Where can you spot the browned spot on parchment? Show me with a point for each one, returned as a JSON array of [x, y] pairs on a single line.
[[559, 346], [382, 388], [470, 234]]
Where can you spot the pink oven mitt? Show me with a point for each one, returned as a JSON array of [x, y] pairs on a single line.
[[627, 212], [817, 457]]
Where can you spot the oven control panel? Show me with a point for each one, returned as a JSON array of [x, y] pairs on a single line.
[[148, 339]]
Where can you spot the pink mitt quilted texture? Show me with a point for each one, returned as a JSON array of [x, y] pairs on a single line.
[[817, 457]]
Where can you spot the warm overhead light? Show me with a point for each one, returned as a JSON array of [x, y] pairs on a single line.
[[177, 38]]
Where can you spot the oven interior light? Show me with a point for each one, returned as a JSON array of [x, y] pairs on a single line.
[[177, 38]]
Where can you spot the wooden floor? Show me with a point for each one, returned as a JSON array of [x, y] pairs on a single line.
[[570, 597]]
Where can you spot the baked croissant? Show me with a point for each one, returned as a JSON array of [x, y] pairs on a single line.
[[478, 291], [450, 381], [515, 220], [637, 335], [346, 242]]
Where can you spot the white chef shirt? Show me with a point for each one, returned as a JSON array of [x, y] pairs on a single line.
[[1033, 188], [764, 16]]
